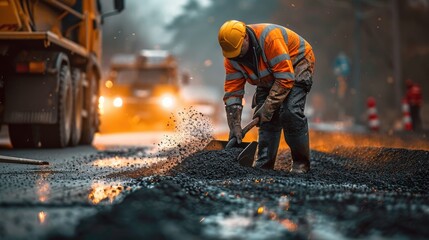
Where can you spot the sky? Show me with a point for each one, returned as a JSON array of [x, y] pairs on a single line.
[[157, 14]]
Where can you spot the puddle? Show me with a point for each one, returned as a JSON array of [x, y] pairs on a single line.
[[238, 226], [35, 223], [108, 192], [125, 163]]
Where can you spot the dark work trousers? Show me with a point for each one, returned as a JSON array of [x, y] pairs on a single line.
[[415, 118], [290, 118]]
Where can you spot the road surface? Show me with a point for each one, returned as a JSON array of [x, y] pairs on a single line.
[[36, 200], [159, 186]]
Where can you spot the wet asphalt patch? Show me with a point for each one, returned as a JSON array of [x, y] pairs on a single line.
[[349, 193]]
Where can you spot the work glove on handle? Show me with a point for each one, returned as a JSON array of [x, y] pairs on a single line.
[[275, 98], [233, 116]]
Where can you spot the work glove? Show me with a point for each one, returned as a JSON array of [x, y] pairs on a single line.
[[233, 116], [273, 102]]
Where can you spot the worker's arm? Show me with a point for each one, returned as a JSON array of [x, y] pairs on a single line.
[[234, 92], [234, 85], [278, 58]]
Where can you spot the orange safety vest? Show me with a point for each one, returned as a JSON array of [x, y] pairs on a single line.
[[281, 49], [414, 95]]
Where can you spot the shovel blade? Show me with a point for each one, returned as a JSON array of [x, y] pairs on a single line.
[[214, 145], [247, 156]]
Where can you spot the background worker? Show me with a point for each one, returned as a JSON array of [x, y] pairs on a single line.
[[414, 99], [281, 64]]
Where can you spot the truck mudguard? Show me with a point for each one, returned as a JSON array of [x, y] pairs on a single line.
[[33, 98]]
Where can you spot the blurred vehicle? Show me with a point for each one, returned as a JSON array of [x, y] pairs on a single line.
[[50, 54], [141, 93]]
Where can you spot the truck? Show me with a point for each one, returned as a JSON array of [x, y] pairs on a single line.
[[50, 70], [142, 92]]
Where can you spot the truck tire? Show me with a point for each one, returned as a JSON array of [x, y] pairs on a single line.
[[90, 122], [22, 136], [77, 89], [58, 135]]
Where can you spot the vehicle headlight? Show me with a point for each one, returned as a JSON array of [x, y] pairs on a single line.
[[101, 101], [168, 101], [117, 102]]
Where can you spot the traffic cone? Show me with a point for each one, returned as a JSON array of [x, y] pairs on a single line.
[[406, 117], [373, 122]]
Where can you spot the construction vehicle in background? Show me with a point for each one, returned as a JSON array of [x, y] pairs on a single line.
[[142, 92], [50, 57]]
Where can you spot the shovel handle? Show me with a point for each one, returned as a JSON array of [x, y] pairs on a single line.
[[250, 125], [233, 141]]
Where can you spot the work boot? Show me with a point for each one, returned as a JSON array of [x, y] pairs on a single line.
[[233, 116], [268, 144], [300, 151]]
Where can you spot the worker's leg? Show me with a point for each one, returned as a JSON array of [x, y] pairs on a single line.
[[292, 118], [295, 129], [268, 144], [415, 118], [268, 134]]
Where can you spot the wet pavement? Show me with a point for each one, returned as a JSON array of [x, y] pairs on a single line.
[[364, 193], [171, 190], [37, 200]]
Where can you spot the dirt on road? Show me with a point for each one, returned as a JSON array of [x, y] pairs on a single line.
[[360, 186], [351, 192]]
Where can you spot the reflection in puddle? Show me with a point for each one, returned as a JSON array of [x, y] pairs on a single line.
[[43, 188], [253, 223], [235, 221], [284, 203], [117, 162], [260, 210], [242, 226], [42, 217], [101, 191], [289, 225]]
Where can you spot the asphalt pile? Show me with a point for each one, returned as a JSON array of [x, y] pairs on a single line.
[[216, 165], [350, 192]]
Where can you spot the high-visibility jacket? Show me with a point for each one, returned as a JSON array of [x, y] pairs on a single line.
[[281, 49], [414, 95]]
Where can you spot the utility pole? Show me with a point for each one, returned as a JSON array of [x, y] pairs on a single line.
[[397, 63], [356, 59]]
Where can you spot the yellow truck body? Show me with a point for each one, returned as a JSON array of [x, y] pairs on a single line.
[[142, 92], [50, 53]]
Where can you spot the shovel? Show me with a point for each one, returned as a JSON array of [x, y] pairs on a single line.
[[247, 156]]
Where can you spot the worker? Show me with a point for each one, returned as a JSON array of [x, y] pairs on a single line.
[[414, 99], [280, 63]]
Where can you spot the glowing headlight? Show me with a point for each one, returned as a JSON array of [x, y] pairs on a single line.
[[101, 101], [167, 101], [117, 102]]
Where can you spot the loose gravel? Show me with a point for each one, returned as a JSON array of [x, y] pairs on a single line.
[[350, 192]]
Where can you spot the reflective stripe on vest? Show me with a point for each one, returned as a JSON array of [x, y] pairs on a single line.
[[265, 33], [238, 68], [236, 93], [232, 76], [301, 50]]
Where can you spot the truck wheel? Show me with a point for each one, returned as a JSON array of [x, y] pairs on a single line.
[[76, 128], [58, 135], [90, 122], [22, 136]]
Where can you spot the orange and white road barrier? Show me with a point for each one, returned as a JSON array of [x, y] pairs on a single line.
[[406, 117], [373, 122]]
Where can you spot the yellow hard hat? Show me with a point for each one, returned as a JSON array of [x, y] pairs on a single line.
[[231, 37]]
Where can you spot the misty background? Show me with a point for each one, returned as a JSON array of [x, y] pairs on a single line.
[[385, 42]]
